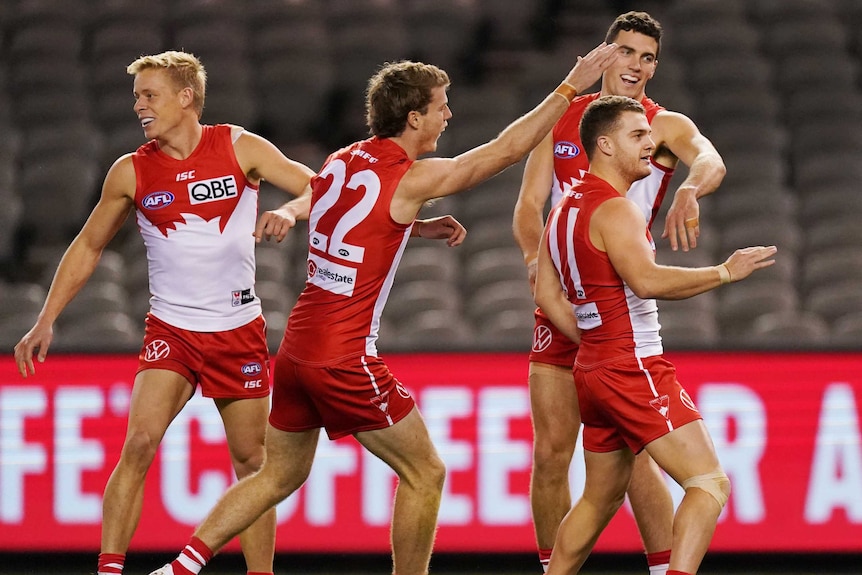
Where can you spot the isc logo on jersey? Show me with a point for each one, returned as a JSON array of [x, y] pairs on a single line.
[[213, 190], [157, 200], [566, 150]]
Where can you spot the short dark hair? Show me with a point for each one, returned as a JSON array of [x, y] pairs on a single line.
[[601, 117], [396, 90], [639, 22]]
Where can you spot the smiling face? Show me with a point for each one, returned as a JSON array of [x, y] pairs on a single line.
[[158, 104], [632, 145], [634, 67]]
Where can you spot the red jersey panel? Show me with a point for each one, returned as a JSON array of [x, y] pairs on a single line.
[[197, 217], [614, 322], [354, 250]]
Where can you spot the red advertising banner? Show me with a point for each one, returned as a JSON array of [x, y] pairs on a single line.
[[786, 427]]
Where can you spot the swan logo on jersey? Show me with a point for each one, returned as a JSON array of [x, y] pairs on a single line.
[[251, 368], [566, 150], [157, 200], [331, 276], [542, 338], [213, 190], [156, 350]]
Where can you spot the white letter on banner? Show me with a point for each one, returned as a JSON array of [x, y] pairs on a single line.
[[18, 457], [719, 403], [180, 502], [836, 472], [320, 492], [440, 405], [499, 455], [73, 454]]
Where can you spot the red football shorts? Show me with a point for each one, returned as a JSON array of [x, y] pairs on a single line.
[[550, 346], [630, 401], [359, 394], [231, 364]]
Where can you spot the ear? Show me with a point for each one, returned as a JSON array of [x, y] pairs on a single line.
[[413, 119], [605, 145], [187, 96]]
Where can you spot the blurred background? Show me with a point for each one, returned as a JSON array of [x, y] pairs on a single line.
[[775, 84]]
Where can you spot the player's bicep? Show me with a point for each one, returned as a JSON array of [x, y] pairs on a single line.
[[622, 231]]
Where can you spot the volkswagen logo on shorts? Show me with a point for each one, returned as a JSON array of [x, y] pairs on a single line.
[[542, 338], [251, 368], [156, 350]]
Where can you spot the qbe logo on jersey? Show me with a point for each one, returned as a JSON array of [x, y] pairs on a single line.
[[204, 191]]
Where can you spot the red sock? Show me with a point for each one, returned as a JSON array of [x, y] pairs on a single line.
[[678, 573], [192, 559], [545, 558], [111, 563], [658, 562]]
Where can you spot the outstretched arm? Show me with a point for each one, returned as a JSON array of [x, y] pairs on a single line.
[[618, 228], [437, 177]]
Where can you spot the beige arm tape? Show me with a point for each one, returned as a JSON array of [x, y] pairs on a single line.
[[716, 484]]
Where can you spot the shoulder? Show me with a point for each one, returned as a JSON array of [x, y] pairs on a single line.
[[667, 120], [121, 178]]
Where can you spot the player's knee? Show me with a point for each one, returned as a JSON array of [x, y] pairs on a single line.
[[435, 474], [716, 484]]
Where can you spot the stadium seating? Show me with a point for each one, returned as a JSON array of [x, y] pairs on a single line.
[[753, 80]]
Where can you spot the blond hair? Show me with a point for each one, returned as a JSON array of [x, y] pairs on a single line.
[[184, 69]]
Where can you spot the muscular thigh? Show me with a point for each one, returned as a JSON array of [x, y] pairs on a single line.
[[554, 404]]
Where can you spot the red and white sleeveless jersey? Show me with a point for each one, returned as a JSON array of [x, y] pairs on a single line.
[[197, 217], [570, 160], [613, 320], [354, 250]]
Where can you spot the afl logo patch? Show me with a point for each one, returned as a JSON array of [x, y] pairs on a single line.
[[566, 150], [542, 338], [251, 368], [157, 200]]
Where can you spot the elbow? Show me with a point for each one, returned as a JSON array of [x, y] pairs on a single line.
[[644, 290]]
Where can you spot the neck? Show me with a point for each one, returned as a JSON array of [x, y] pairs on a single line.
[[619, 182], [182, 141]]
